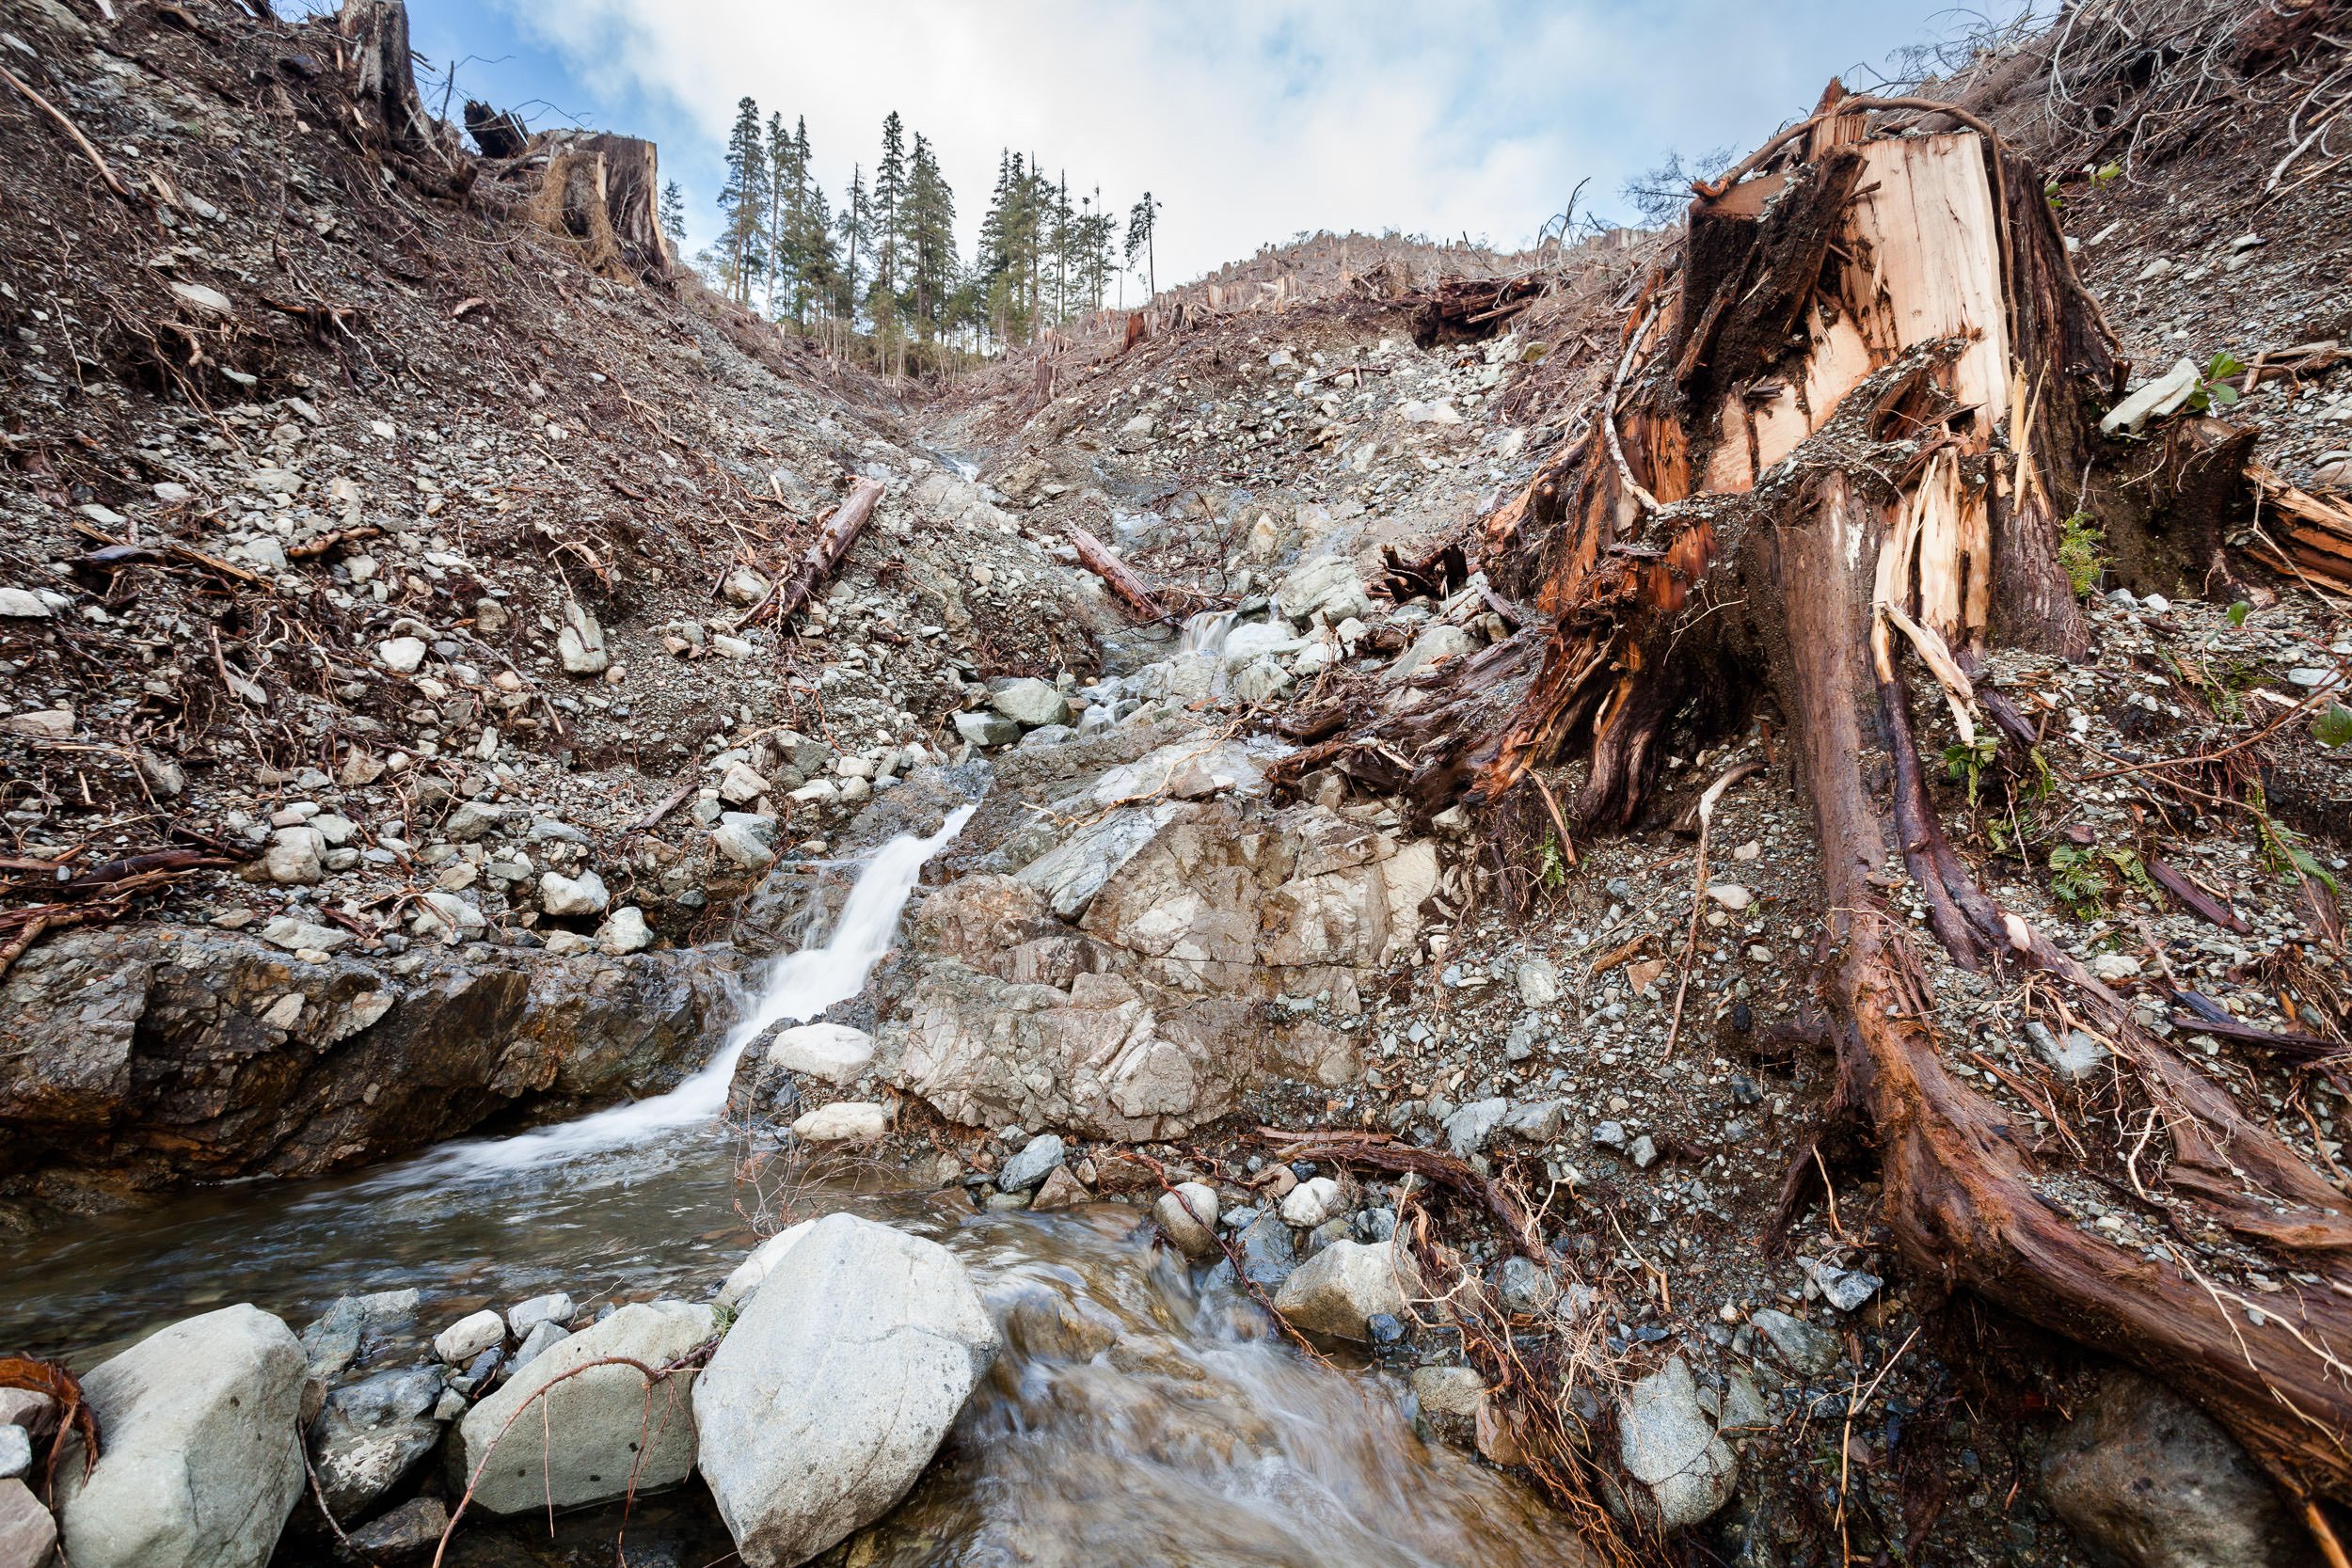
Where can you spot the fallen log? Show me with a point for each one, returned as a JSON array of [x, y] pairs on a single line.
[[1117, 575], [1849, 418], [2305, 536], [821, 559]]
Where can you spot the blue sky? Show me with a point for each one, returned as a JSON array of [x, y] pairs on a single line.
[[1250, 119]]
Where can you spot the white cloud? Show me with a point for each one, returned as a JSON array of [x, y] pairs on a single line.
[[1250, 121]]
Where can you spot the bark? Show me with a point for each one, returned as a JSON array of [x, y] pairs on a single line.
[[496, 132], [823, 559], [384, 77], [1845, 426], [1117, 575], [603, 193]]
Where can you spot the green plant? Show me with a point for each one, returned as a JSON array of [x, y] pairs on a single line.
[[2104, 172], [1968, 764], [1551, 865], [2082, 551], [2080, 880], [2283, 849], [2333, 728], [2215, 391]]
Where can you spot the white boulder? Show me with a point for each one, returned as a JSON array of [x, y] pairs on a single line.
[[836, 1386], [833, 1051]]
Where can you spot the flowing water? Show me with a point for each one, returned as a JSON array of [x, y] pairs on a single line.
[[1133, 1420]]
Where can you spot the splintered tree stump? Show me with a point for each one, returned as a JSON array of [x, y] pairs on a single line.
[[1848, 419], [383, 73]]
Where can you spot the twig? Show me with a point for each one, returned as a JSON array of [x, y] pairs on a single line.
[[1698, 893], [1609, 410]]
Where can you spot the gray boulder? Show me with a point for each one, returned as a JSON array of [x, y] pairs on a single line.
[[589, 1448], [372, 1434], [1805, 1348], [1338, 1290], [836, 1386], [2146, 1479], [1029, 703], [1037, 1158], [1669, 1445], [987, 729], [198, 1465]]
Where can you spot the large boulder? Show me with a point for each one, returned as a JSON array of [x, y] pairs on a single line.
[[2146, 1479], [1669, 1443], [1338, 1290], [197, 1465], [599, 1434], [167, 1053], [836, 1386]]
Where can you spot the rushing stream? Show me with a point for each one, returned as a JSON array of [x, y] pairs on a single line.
[[1133, 1420]]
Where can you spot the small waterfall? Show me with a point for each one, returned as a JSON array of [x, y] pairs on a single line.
[[1205, 632], [795, 986]]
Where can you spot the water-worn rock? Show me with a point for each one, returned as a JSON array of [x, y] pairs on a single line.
[[833, 1051], [16, 1450], [555, 1307], [753, 1271], [844, 1121], [1669, 1445], [1311, 1202], [567, 897], [411, 1530], [593, 1435], [1189, 1219], [2146, 1479], [1337, 1289], [334, 1340], [173, 1051], [834, 1387], [197, 1465], [1029, 703], [468, 1337]]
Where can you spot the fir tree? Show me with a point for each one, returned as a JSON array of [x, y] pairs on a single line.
[[674, 213], [1143, 223], [890, 193], [742, 205], [855, 231]]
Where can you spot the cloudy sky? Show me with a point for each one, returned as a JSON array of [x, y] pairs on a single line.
[[1250, 119]]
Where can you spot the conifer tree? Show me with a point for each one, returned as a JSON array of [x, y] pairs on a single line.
[[855, 229], [674, 213], [890, 193], [742, 204], [778, 195], [1143, 223]]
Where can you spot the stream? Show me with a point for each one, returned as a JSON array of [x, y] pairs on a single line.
[[1133, 1418]]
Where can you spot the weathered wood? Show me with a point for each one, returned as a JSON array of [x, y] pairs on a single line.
[[822, 558], [1117, 575], [496, 132], [383, 73]]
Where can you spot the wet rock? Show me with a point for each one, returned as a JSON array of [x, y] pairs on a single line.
[[1326, 586], [468, 1337], [372, 1435], [836, 1387], [1340, 1287], [2146, 1479], [1448, 1399], [1044, 1323], [408, 1533], [1037, 1157], [1188, 1215], [1060, 1189], [1805, 1348], [543, 1338], [197, 1465], [833, 1051], [624, 933], [16, 1450], [336, 1338], [600, 1428], [1669, 1445], [987, 729], [1267, 1251]]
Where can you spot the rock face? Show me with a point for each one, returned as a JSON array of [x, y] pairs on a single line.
[[2146, 1479], [1116, 985], [165, 1054], [1337, 1289], [1669, 1445], [601, 1430], [197, 1464], [834, 1387]]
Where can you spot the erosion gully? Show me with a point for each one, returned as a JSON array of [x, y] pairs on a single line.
[[1177, 1428]]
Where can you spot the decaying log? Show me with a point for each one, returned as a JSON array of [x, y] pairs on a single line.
[[1464, 310], [1877, 399], [1117, 575], [2306, 536], [821, 559], [496, 132]]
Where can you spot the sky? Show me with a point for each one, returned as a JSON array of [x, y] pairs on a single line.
[[1250, 120]]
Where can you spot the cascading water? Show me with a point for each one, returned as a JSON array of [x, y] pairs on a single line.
[[796, 986], [1205, 632]]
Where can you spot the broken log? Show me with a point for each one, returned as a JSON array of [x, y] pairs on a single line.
[[496, 132], [2305, 536], [1117, 575], [1837, 476], [821, 559]]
